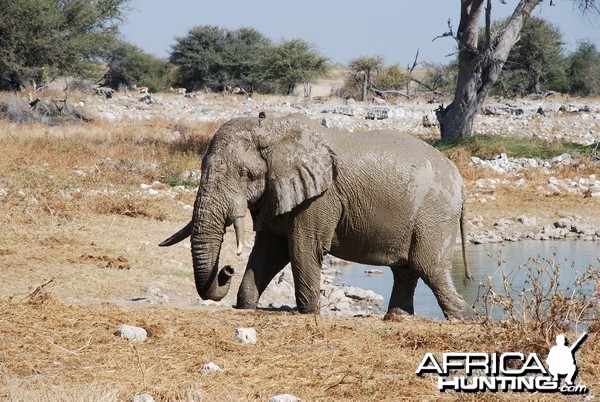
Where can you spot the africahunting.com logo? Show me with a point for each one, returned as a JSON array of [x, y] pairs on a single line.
[[510, 371]]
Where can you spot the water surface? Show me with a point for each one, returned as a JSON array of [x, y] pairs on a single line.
[[572, 256]]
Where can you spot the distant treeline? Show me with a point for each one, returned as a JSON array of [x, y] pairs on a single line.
[[41, 40]]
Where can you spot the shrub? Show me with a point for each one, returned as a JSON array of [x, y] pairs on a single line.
[[15, 109], [544, 306], [46, 110], [128, 65], [583, 70], [214, 57], [390, 78]]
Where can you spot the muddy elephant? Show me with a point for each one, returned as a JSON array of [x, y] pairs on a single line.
[[378, 198]]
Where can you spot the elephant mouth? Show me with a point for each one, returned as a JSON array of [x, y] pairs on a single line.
[[186, 231]]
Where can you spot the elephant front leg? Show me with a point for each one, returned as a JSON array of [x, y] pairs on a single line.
[[269, 256], [306, 258], [309, 237]]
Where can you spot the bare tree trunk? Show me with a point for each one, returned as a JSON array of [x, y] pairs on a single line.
[[307, 88], [365, 87], [478, 69]]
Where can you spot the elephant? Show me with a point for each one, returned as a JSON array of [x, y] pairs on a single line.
[[377, 198]]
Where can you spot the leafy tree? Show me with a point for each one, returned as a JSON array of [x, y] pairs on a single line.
[[363, 67], [214, 57], [390, 78], [535, 61], [292, 62], [128, 65], [583, 70], [479, 66], [42, 39]]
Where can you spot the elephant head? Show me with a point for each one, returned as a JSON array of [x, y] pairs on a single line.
[[266, 165]]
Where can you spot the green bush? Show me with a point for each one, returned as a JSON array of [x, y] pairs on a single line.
[[390, 78], [293, 62], [583, 70], [214, 57], [128, 65]]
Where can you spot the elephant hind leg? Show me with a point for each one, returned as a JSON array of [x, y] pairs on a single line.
[[431, 259], [401, 301]]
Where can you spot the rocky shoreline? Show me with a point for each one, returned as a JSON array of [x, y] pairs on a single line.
[[337, 298], [572, 228]]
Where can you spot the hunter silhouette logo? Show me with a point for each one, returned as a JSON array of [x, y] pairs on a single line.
[[507, 372], [561, 358]]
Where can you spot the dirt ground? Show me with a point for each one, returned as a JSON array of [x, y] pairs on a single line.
[[79, 229]]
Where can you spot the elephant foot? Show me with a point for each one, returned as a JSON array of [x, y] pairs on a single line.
[[464, 313], [308, 303], [245, 306], [247, 299], [309, 310], [396, 314]]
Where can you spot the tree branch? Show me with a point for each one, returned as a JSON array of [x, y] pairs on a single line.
[[381, 92], [488, 26], [450, 32], [459, 43]]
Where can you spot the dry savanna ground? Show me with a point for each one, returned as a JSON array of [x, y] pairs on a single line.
[[78, 253]]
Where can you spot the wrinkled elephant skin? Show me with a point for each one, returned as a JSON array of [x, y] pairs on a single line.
[[378, 198]]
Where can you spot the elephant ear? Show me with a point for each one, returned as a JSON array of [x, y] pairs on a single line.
[[301, 166]]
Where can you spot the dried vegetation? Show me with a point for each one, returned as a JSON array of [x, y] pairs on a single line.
[[53, 351]]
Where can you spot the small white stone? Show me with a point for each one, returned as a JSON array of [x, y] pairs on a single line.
[[362, 294], [210, 368], [155, 296], [246, 335], [284, 398], [594, 191], [132, 333], [527, 221], [143, 398]]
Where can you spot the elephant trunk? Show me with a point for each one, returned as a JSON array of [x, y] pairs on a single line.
[[206, 239]]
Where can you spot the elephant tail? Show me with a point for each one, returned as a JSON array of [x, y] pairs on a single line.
[[179, 236], [463, 238]]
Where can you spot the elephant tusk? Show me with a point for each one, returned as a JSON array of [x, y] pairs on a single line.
[[238, 225], [179, 236]]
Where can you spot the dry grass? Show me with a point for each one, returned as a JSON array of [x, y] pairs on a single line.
[[58, 351], [65, 171]]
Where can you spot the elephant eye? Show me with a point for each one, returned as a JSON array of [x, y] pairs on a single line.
[[245, 174]]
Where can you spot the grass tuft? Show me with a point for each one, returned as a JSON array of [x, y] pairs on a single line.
[[489, 146]]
